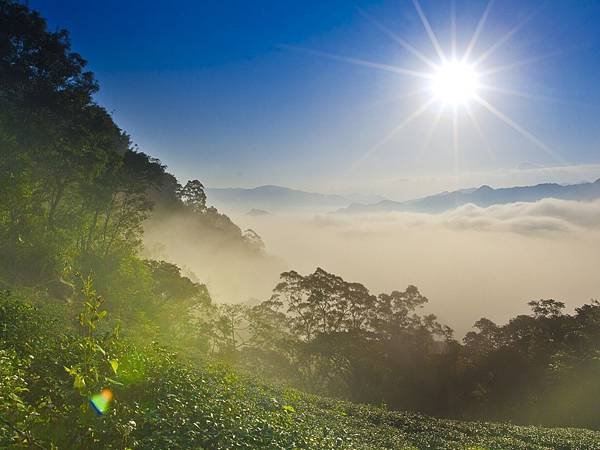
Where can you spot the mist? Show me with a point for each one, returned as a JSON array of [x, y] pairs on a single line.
[[233, 272], [470, 262]]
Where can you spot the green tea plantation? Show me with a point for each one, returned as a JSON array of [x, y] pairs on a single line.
[[49, 369]]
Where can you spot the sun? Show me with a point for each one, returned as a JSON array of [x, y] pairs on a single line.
[[455, 83]]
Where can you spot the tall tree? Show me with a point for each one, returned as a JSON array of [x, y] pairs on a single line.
[[193, 196]]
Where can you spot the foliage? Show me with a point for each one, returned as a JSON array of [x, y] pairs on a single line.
[[323, 334], [164, 402], [193, 196], [76, 193], [331, 336]]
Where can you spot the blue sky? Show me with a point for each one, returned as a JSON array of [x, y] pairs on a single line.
[[220, 92]]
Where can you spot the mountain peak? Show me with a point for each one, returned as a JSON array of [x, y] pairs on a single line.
[[485, 196], [271, 187]]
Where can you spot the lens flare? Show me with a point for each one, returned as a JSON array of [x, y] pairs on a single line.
[[101, 401]]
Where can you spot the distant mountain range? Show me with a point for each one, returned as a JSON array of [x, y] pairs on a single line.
[[279, 198], [257, 212], [483, 196]]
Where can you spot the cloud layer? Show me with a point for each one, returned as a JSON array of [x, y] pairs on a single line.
[[471, 262], [529, 218], [548, 215]]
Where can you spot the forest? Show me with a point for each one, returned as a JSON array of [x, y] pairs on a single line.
[[82, 309]]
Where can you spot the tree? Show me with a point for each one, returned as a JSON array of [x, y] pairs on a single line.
[[58, 148], [546, 308], [345, 341], [193, 196]]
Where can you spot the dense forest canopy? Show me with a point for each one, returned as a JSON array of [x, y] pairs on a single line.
[[76, 198]]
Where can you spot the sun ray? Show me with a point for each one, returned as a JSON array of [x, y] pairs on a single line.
[[486, 54], [398, 39], [507, 120], [529, 96], [429, 135], [397, 98], [433, 126], [523, 62], [429, 31], [455, 142], [454, 82], [478, 29], [486, 142], [453, 29], [517, 93], [395, 131], [361, 62]]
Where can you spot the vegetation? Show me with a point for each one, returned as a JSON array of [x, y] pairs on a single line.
[[81, 310], [329, 336], [75, 192], [161, 401]]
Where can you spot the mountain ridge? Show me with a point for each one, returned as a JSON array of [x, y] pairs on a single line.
[[277, 198], [483, 196]]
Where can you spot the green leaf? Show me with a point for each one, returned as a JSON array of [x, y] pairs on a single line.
[[114, 364], [79, 382], [118, 383], [101, 350]]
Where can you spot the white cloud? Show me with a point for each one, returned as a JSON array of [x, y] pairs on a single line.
[[544, 216], [548, 215]]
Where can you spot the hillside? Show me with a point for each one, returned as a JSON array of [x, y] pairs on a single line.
[[231, 261], [161, 401], [484, 196]]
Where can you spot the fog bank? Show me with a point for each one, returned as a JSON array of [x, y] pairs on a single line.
[[470, 262]]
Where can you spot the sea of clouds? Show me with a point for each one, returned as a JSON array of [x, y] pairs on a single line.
[[471, 262]]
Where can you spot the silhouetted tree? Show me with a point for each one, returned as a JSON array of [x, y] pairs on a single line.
[[193, 196]]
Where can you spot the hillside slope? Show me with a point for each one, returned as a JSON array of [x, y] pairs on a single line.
[[161, 401]]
